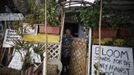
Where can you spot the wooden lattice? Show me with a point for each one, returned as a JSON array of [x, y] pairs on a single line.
[[78, 57], [53, 51]]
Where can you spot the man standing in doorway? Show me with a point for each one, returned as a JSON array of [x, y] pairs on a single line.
[[66, 51]]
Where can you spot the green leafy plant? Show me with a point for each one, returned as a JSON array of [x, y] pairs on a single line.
[[22, 45], [96, 69], [27, 61], [90, 15], [39, 49], [52, 17], [52, 14], [31, 4]]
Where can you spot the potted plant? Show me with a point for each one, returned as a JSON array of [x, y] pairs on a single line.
[[90, 18], [29, 63], [38, 17], [52, 19]]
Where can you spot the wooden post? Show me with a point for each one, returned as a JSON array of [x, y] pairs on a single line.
[[89, 50], [4, 49], [9, 51], [2, 56], [5, 27], [9, 55], [45, 63]]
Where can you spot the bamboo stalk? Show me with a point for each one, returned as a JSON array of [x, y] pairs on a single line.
[[62, 27], [9, 54], [89, 50], [45, 53], [100, 22]]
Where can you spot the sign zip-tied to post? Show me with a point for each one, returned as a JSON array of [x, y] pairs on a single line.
[[100, 22], [45, 52]]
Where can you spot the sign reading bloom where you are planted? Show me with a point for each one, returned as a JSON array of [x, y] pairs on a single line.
[[113, 61]]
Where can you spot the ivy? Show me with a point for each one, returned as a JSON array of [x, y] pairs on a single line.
[[90, 16]]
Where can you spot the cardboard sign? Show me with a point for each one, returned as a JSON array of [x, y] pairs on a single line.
[[29, 29], [17, 60], [11, 16], [114, 60], [19, 57], [10, 37]]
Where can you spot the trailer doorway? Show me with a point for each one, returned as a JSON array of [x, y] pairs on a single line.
[[74, 27], [77, 63]]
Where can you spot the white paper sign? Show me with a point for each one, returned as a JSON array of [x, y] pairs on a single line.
[[35, 58], [10, 36], [114, 60], [19, 56], [17, 60], [29, 29], [11, 16]]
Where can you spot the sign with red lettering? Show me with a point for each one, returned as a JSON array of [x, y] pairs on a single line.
[[113, 60]]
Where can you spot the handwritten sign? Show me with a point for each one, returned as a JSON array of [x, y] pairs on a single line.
[[114, 60], [19, 57], [10, 36], [11, 16], [17, 60]]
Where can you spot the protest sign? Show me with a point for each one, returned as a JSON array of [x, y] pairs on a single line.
[[10, 37], [114, 60], [18, 59]]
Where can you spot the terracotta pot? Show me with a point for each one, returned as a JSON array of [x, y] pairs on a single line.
[[50, 29], [105, 32]]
